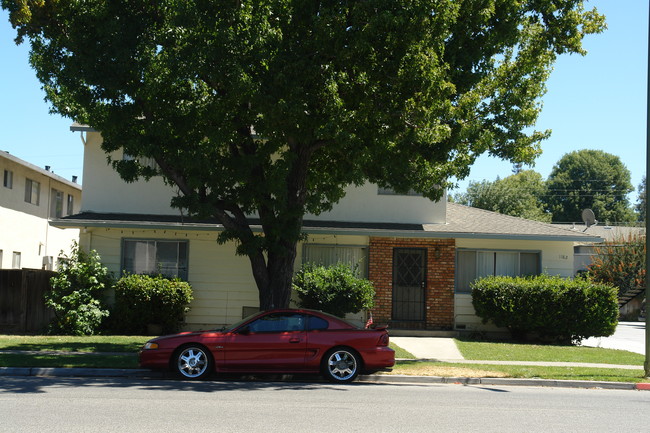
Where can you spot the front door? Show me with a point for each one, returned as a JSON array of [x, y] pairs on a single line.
[[409, 283]]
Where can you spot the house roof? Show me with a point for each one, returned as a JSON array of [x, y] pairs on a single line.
[[462, 222], [6, 155], [607, 232]]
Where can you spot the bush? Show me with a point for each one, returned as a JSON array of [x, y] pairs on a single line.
[[621, 263], [336, 289], [142, 300], [79, 283], [551, 308]]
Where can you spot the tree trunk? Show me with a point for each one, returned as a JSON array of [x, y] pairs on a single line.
[[275, 284]]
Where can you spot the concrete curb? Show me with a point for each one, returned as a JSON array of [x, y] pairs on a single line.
[[79, 372], [586, 384], [376, 378]]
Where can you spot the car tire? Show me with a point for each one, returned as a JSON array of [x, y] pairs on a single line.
[[341, 365], [193, 362]]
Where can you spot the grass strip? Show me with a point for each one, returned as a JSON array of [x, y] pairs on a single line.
[[491, 351]]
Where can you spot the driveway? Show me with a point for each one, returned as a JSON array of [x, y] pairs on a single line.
[[628, 336]]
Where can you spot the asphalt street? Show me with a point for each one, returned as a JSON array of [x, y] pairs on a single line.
[[37, 404]]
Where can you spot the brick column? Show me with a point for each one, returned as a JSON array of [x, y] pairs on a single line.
[[439, 294]]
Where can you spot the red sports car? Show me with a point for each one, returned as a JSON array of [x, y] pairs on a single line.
[[276, 341]]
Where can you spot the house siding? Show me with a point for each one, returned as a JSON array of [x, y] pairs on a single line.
[[221, 281]]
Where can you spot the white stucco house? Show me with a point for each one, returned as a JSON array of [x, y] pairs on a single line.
[[421, 255], [31, 196]]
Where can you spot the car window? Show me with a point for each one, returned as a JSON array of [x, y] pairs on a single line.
[[278, 322], [316, 323]]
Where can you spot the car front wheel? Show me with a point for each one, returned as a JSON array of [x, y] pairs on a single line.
[[193, 362], [341, 365]]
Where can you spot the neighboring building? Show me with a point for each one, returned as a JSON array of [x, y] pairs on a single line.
[[421, 255], [29, 197]]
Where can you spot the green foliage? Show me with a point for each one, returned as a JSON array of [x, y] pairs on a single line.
[[142, 300], [75, 293], [335, 289], [641, 203], [550, 308], [590, 179], [620, 263], [519, 195], [401, 94]]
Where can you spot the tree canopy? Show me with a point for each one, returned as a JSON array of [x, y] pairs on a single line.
[[519, 195], [590, 179], [272, 107]]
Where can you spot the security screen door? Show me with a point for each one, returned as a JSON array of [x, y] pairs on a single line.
[[409, 283]]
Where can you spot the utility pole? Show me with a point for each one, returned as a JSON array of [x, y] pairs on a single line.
[[647, 214]]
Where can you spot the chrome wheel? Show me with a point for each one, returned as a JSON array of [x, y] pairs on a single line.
[[193, 362], [341, 365]]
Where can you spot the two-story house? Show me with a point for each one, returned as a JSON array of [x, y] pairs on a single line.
[[420, 255], [29, 197]]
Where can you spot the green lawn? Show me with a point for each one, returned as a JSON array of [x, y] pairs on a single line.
[[95, 343], [496, 351]]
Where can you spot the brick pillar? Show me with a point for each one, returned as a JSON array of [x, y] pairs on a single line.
[[440, 274]]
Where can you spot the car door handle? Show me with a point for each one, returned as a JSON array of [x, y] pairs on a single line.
[[294, 340]]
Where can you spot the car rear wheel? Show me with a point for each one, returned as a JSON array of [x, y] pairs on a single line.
[[341, 365], [193, 362]]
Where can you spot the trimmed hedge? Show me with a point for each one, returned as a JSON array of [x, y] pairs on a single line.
[[142, 300], [549, 308], [337, 290]]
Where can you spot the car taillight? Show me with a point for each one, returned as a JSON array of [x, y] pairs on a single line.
[[383, 339]]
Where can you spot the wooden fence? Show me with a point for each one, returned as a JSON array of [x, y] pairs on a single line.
[[22, 305]]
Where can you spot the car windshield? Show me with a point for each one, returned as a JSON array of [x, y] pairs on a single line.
[[237, 324]]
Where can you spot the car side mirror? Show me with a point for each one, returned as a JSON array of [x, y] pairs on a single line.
[[245, 330]]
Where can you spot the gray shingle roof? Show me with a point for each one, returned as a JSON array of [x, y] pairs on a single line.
[[462, 222]]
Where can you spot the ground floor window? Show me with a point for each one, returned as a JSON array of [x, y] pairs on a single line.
[[474, 264], [327, 255], [165, 257]]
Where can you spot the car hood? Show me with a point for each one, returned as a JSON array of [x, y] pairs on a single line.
[[183, 335]]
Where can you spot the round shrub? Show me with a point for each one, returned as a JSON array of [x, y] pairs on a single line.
[[76, 288], [143, 300], [550, 308], [337, 290]]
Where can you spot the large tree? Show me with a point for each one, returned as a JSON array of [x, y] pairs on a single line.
[[590, 179], [270, 108], [641, 201], [519, 195]]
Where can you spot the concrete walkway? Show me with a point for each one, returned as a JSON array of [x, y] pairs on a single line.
[[434, 348], [628, 336]]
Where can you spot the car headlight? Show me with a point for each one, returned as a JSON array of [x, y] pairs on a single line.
[[149, 346]]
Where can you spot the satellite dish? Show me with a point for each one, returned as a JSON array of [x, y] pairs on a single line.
[[589, 218]]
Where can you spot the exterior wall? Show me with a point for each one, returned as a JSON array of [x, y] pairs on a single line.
[[25, 227], [439, 295], [222, 282], [557, 259], [106, 192]]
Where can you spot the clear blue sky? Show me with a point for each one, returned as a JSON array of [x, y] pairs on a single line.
[[593, 102]]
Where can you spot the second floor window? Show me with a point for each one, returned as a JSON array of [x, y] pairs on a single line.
[[56, 207], [70, 209], [32, 192], [8, 180]]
